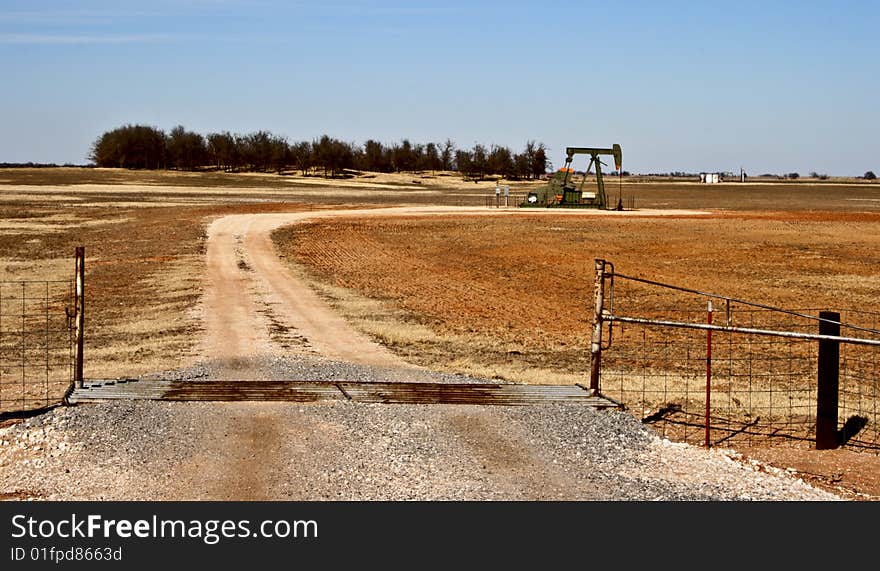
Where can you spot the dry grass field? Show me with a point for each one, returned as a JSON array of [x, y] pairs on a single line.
[[501, 296]]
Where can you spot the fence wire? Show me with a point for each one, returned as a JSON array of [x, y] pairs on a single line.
[[36, 343], [763, 389], [859, 380]]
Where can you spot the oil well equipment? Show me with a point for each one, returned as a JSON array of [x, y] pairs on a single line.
[[562, 192]]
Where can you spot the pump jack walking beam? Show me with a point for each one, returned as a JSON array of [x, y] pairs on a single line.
[[594, 153]]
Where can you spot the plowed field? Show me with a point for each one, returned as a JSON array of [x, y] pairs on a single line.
[[509, 297], [518, 289]]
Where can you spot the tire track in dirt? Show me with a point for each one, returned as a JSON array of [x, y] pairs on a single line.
[[248, 291], [227, 308], [517, 471], [237, 303], [234, 298]]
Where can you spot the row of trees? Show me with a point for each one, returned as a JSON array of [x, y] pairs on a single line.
[[869, 175], [143, 147]]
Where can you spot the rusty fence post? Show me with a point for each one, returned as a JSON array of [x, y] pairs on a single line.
[[79, 312], [596, 341], [828, 382], [708, 371]]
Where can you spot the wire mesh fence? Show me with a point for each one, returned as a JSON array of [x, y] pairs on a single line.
[[762, 389], [492, 200], [859, 391], [36, 343]]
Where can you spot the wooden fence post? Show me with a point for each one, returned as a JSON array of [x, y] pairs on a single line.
[[828, 382]]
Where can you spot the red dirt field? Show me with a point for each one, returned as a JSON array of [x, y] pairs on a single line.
[[526, 282], [514, 291]]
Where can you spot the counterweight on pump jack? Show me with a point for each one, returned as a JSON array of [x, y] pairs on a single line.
[[562, 192]]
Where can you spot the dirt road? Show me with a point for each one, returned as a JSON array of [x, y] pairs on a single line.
[[255, 306]]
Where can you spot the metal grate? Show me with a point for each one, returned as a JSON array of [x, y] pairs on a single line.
[[364, 392]]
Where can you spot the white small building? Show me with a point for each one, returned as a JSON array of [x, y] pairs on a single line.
[[710, 177]]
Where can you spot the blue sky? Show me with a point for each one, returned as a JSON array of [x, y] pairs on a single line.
[[772, 86]]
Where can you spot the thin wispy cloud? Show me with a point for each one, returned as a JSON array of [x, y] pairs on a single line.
[[71, 17], [66, 39], [115, 14], [87, 39], [385, 10]]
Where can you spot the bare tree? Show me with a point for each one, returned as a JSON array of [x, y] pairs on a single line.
[[281, 155], [302, 156], [222, 150], [376, 157], [479, 161], [463, 162], [403, 156], [332, 155], [447, 155], [500, 161], [540, 164], [185, 150]]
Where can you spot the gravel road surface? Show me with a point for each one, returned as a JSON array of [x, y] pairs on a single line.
[[146, 450]]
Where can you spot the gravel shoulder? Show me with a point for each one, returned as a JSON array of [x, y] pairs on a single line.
[[143, 450]]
